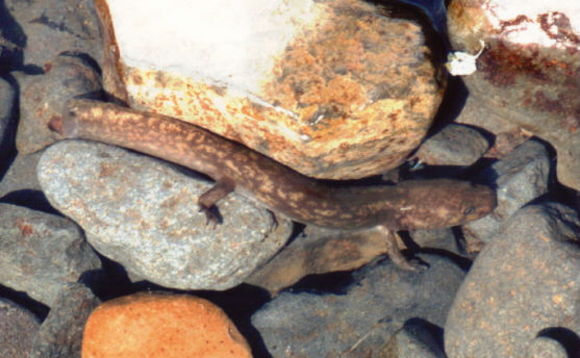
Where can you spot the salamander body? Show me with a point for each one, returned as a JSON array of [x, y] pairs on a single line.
[[421, 204]]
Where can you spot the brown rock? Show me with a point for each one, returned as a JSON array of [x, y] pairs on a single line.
[[339, 89], [528, 72], [160, 325]]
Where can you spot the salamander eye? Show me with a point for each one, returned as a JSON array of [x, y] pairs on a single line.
[[469, 210]]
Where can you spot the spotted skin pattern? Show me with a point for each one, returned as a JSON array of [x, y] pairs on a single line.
[[410, 205]]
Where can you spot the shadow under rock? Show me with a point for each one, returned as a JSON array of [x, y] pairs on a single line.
[[39, 309], [566, 337], [426, 332], [31, 199]]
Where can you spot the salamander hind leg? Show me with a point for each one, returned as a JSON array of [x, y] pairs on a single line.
[[207, 200], [394, 251]]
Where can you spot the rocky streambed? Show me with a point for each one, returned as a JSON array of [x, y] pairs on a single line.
[[86, 225]]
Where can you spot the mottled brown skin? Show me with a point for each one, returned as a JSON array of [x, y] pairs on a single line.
[[425, 204]]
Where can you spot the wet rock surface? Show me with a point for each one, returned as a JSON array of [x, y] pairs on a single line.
[[525, 281], [154, 227]]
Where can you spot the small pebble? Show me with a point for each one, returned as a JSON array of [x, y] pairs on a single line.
[[161, 326], [455, 144]]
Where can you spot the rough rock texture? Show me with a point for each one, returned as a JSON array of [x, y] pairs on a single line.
[[525, 280], [318, 251], [44, 97], [528, 72], [47, 28], [143, 213], [455, 144], [543, 347], [339, 89], [18, 328], [61, 332], [161, 326], [520, 177], [362, 320], [39, 253], [21, 174]]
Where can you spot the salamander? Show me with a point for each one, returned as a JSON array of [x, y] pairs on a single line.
[[413, 204]]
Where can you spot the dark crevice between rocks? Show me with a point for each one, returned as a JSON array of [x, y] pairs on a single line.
[[463, 263], [39, 309], [569, 340], [12, 40], [429, 334], [453, 102], [334, 283], [8, 143], [31, 199]]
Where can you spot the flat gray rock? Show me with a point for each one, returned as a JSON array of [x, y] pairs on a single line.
[[520, 177], [455, 144], [18, 328], [526, 280], [60, 335], [362, 321], [143, 213], [44, 97], [21, 174], [40, 252]]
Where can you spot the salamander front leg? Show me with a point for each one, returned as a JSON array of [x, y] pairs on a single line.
[[394, 250], [207, 200]]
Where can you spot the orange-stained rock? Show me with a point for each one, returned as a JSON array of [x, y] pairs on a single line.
[[334, 89], [528, 72], [161, 325]]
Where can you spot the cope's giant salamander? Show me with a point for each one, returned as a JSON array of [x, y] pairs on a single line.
[[420, 204]]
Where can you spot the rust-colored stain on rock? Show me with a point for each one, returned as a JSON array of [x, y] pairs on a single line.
[[349, 97]]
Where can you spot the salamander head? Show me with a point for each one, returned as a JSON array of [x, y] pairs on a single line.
[[442, 203]]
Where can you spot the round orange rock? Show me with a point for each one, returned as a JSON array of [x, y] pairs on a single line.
[[161, 325]]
